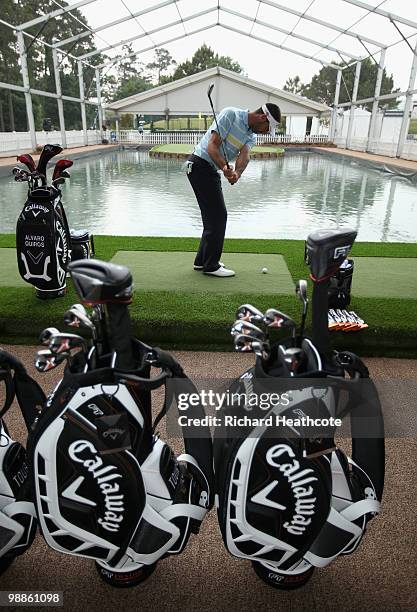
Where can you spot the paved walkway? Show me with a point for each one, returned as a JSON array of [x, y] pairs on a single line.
[[379, 576], [380, 159], [71, 152]]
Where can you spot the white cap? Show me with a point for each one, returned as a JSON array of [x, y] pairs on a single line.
[[272, 122]]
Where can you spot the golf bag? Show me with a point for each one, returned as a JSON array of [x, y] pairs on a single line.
[[82, 244], [105, 485], [340, 285], [43, 242], [289, 500], [17, 512]]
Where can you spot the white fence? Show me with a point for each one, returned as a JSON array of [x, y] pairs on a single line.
[[378, 147], [14, 142], [147, 138]]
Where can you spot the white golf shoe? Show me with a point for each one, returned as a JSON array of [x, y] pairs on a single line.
[[221, 272]]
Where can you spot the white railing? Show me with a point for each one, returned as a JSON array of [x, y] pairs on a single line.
[[17, 142], [134, 137], [378, 147]]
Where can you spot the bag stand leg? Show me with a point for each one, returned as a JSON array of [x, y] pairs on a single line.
[[282, 581]]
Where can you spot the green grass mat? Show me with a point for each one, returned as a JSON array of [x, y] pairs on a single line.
[[173, 271], [201, 320], [9, 273], [385, 277]]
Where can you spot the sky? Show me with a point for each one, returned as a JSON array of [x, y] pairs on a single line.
[[262, 62]]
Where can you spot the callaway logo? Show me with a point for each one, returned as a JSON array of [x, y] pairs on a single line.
[[297, 479], [342, 251], [105, 477], [96, 410], [38, 207], [35, 258]]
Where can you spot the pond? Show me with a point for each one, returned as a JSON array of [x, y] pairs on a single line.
[[129, 193]]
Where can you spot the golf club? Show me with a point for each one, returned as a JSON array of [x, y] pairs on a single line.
[[28, 160], [301, 293], [247, 328], [45, 360], [47, 334], [245, 343], [61, 342], [209, 90], [276, 318], [247, 312], [60, 166], [48, 152]]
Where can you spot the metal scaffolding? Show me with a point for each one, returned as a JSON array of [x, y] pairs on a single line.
[[220, 12]]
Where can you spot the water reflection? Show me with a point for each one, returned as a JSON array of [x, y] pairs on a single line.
[[129, 193]]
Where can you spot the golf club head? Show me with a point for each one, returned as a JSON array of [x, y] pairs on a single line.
[[20, 176], [293, 358], [101, 282], [62, 342], [48, 152], [277, 319], [60, 167], [45, 360], [244, 343], [46, 335], [28, 160], [301, 291], [247, 328], [247, 312], [326, 250], [78, 318]]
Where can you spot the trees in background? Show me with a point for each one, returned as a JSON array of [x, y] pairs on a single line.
[[322, 86]]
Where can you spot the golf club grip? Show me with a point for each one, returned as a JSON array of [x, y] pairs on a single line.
[[320, 302], [121, 335]]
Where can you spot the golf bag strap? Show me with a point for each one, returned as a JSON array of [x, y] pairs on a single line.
[[179, 510], [360, 508], [6, 377], [29, 394]]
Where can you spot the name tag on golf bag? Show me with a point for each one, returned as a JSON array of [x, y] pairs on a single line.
[[17, 511], [43, 243], [105, 485], [288, 500], [82, 244], [340, 285]]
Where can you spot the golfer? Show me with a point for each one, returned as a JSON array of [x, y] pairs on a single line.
[[236, 133]]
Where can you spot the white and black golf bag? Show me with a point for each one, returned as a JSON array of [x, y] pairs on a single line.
[[17, 511], [288, 498], [43, 242], [105, 485]]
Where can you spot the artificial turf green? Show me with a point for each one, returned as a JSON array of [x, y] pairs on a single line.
[[178, 319], [173, 271]]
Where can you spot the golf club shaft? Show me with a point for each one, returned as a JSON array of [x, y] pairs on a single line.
[[210, 89]]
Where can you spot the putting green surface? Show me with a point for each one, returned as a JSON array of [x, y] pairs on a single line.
[[156, 271]]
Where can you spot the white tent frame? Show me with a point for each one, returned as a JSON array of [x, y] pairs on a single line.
[[83, 60]]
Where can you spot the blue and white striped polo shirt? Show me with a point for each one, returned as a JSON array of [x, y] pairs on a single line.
[[234, 131]]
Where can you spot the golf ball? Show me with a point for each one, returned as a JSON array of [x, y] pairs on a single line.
[[264, 270]]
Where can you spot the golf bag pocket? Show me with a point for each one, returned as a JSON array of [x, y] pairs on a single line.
[[43, 243], [340, 285], [82, 244], [105, 486]]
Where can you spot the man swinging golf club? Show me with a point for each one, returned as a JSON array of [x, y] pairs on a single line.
[[230, 136]]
